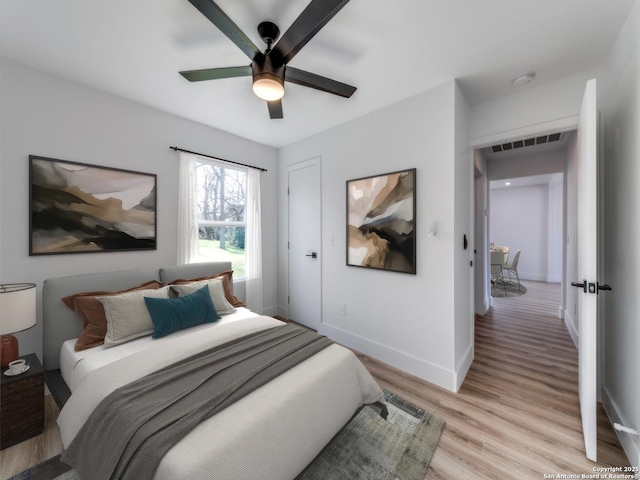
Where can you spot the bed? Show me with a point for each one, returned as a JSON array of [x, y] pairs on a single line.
[[271, 433]]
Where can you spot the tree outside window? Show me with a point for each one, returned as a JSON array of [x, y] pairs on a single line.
[[222, 194]]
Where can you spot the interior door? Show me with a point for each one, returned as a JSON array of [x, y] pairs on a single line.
[[304, 244], [588, 204]]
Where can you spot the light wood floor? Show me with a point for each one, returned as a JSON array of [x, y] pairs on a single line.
[[517, 414], [515, 417]]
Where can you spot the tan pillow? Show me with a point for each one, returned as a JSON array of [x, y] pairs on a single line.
[[216, 291], [91, 311], [127, 315], [227, 281]]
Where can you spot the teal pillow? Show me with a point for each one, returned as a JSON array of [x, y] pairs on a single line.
[[172, 314]]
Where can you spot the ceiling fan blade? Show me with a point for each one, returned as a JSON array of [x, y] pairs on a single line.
[[220, 19], [216, 73], [310, 21], [312, 80], [275, 109]]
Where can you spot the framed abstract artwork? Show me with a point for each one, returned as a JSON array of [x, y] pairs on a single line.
[[381, 213], [80, 208]]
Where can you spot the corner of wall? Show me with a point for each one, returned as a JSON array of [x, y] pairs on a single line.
[[630, 443], [409, 363], [463, 368]]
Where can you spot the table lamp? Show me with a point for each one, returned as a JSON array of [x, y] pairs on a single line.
[[17, 313]]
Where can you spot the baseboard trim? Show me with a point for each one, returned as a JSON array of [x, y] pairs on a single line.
[[415, 366], [282, 311], [463, 368], [568, 321], [630, 443], [534, 277]]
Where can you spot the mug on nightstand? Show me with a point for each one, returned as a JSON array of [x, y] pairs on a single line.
[[17, 366]]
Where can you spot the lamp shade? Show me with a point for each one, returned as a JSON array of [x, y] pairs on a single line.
[[17, 307]]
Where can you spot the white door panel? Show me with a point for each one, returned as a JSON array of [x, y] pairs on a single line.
[[588, 266], [304, 242]]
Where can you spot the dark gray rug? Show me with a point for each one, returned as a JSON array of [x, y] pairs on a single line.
[[367, 448], [512, 290]]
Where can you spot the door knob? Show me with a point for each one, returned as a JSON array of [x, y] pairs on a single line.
[[582, 285], [312, 255], [603, 287]]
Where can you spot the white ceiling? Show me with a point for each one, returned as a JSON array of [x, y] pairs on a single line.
[[389, 50], [529, 181]]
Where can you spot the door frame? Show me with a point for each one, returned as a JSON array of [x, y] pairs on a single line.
[[290, 168], [563, 124]]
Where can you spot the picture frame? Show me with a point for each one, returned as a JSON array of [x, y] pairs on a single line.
[[82, 208], [381, 218]]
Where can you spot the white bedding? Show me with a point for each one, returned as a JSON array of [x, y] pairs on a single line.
[[271, 434], [75, 365]]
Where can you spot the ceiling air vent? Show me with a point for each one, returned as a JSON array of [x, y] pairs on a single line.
[[527, 142]]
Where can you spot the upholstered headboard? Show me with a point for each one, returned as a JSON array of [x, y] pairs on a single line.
[[61, 324]]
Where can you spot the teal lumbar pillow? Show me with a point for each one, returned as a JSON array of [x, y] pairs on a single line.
[[172, 314]]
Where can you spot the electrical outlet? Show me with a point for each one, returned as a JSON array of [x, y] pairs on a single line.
[[343, 309]]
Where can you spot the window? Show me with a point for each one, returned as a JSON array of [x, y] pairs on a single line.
[[222, 195]]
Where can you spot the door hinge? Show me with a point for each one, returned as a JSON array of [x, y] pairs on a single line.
[[288, 245], [288, 299], [288, 191]]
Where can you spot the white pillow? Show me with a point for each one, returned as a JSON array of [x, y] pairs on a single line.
[[127, 315], [216, 290]]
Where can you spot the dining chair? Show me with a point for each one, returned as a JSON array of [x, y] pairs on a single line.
[[513, 267]]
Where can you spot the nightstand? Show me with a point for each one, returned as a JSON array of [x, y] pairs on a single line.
[[22, 404]]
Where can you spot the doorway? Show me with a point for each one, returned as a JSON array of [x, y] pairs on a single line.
[[521, 203]]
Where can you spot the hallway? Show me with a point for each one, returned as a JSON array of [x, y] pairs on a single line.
[[517, 413]]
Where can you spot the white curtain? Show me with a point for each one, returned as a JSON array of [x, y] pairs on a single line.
[[253, 243], [187, 209]]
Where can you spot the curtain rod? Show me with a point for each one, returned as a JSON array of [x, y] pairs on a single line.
[[178, 149]]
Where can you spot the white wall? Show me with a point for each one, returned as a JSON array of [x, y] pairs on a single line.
[[482, 263], [620, 102], [521, 216], [555, 226], [550, 107], [526, 165], [519, 220], [46, 115], [571, 235], [404, 320], [463, 228]]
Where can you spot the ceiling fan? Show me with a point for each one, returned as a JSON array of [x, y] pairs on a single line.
[[269, 69]]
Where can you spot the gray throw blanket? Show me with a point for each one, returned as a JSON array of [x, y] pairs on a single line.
[[131, 429]]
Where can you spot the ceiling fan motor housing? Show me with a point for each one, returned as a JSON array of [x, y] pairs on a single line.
[[263, 67]]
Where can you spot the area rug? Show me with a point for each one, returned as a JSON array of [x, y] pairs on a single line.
[[367, 448], [512, 290], [370, 448]]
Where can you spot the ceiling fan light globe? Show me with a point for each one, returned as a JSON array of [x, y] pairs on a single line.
[[268, 87]]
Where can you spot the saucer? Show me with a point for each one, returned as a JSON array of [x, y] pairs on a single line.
[[9, 374]]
